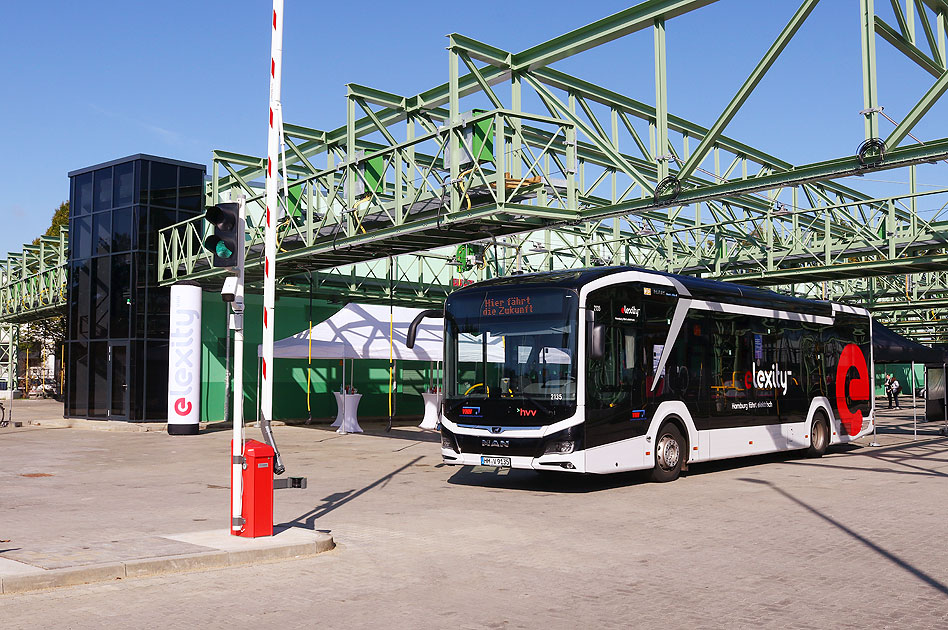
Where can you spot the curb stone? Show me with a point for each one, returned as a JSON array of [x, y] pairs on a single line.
[[144, 567]]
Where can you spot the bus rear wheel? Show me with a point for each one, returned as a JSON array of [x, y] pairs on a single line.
[[819, 436], [669, 454]]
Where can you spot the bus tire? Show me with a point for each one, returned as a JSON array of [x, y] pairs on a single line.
[[819, 435], [669, 453]]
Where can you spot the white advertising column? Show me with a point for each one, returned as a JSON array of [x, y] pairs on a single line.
[[184, 360]]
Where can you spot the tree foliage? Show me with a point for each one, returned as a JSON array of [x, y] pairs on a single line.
[[59, 221]]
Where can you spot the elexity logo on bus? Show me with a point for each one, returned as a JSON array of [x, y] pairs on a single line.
[[856, 389], [183, 366], [774, 378]]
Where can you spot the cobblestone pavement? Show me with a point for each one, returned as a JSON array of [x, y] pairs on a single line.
[[856, 539]]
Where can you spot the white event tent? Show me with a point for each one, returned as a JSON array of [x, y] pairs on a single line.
[[362, 331]]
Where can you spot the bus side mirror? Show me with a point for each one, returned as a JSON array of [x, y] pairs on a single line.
[[597, 341]]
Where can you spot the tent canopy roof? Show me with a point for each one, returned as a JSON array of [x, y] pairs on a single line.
[[361, 331], [891, 347]]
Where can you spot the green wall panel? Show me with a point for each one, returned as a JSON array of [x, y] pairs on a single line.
[[289, 401]]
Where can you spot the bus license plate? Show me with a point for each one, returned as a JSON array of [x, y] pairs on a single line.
[[495, 461]]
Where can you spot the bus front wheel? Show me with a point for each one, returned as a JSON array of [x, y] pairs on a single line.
[[819, 436], [669, 454]]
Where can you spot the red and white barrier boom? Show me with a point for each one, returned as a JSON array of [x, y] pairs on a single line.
[[272, 218]]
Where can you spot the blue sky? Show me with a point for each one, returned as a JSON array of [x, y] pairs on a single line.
[[87, 82]]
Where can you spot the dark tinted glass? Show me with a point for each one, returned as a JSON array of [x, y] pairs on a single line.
[[80, 374], [72, 317], [83, 289], [159, 305], [190, 189], [121, 295], [103, 189], [124, 185], [159, 220], [136, 397], [99, 394], [83, 191], [156, 380], [143, 183], [164, 184], [80, 238], [70, 392], [101, 233], [122, 229], [119, 380], [100, 297]]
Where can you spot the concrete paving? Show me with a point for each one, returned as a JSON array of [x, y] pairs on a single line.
[[853, 540]]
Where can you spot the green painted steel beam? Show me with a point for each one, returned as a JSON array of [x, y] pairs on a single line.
[[842, 167], [918, 111], [744, 92], [911, 51], [602, 31]]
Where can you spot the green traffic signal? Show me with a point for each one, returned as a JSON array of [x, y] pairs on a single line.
[[222, 251], [226, 237]]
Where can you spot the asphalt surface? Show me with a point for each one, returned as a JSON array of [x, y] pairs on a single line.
[[856, 539]]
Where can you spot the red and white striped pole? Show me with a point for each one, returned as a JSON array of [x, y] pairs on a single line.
[[272, 217]]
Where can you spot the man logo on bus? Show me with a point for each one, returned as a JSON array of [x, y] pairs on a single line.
[[856, 389]]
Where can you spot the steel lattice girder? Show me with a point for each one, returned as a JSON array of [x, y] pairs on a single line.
[[571, 186], [396, 227], [33, 282]]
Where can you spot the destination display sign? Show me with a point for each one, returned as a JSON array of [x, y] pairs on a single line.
[[514, 305], [524, 304]]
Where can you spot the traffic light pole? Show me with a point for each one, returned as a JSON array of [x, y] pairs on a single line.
[[236, 322]]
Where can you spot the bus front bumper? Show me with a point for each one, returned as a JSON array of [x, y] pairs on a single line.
[[572, 462]]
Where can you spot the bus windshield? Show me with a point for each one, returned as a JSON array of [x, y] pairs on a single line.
[[513, 344]]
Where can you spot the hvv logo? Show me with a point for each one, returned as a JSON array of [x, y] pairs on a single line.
[[856, 389], [526, 413]]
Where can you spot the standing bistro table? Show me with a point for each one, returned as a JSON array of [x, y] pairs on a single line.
[[432, 411], [346, 418]]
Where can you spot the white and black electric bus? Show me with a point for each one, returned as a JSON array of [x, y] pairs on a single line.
[[615, 369]]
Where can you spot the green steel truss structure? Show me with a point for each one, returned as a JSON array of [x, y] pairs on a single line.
[[539, 169], [32, 287]]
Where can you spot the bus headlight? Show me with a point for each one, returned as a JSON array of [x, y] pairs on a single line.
[[560, 447]]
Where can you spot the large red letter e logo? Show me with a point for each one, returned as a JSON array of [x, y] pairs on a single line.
[[182, 407], [859, 387]]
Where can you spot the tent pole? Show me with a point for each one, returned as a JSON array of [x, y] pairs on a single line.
[[391, 343], [914, 408], [259, 363]]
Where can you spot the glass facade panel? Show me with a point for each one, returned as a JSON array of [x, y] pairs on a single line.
[[103, 189], [156, 388], [80, 238], [83, 191], [99, 394], [100, 297], [144, 177], [101, 233], [164, 185], [117, 317], [119, 375], [124, 186], [122, 221], [79, 356], [159, 305], [136, 397], [191, 189], [83, 284], [121, 296]]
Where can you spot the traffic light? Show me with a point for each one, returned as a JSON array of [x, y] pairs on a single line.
[[223, 243]]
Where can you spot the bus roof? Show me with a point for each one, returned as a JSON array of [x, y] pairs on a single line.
[[699, 288]]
